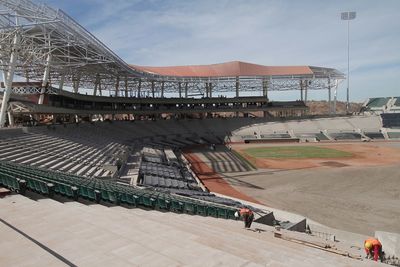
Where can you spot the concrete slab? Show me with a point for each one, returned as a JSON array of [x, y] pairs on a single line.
[[390, 242]]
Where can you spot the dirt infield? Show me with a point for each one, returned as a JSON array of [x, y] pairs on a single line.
[[212, 180], [364, 154]]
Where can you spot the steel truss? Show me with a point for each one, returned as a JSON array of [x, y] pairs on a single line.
[[54, 49]]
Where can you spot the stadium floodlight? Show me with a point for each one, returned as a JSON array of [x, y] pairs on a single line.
[[348, 16]]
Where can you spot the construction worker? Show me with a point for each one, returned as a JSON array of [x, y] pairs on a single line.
[[373, 249], [247, 216]]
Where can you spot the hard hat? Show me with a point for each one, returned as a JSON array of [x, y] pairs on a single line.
[[368, 245]]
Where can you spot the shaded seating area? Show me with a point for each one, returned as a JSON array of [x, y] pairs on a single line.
[[345, 136], [391, 120], [275, 135], [393, 135], [374, 135], [377, 103]]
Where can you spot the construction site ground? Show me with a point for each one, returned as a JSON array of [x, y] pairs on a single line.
[[359, 194]]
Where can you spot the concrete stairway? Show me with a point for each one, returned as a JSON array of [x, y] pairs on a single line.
[[96, 235]]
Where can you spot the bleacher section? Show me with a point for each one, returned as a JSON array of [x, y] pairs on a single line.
[[345, 136], [380, 105], [309, 130], [20, 178], [390, 120], [393, 135], [374, 135], [83, 157], [377, 103]]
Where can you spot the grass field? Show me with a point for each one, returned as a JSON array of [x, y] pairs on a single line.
[[295, 152]]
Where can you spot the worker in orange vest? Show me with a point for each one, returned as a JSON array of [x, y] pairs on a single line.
[[373, 248], [247, 215]]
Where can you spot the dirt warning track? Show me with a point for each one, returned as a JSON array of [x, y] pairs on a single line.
[[212, 180]]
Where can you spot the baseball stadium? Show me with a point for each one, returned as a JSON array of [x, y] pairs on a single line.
[[109, 163]]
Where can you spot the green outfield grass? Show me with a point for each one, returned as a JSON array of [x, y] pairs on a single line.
[[296, 152]]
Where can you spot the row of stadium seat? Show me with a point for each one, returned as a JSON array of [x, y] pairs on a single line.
[[391, 120], [19, 178]]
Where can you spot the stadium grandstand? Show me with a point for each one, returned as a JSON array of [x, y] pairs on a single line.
[[52, 52], [81, 127]]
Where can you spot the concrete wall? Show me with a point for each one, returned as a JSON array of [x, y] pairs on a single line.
[[390, 242]]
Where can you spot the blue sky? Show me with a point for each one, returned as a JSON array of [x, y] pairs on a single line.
[[269, 32]]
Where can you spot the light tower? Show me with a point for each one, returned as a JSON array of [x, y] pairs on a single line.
[[348, 16]]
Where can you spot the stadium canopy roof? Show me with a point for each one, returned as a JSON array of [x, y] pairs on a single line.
[[238, 68], [52, 46]]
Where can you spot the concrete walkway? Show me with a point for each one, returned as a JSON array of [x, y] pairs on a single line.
[[96, 235]]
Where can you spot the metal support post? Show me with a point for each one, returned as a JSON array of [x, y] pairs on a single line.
[[126, 86], [305, 91], [8, 77], [99, 86], [334, 98], [117, 86], [139, 87], [76, 83], [162, 89], [186, 90], [237, 86], [329, 96], [45, 79], [10, 119], [96, 84], [210, 89], [265, 88], [62, 80], [152, 89], [301, 90], [180, 89]]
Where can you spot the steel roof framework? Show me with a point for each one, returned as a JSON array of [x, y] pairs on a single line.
[[53, 48]]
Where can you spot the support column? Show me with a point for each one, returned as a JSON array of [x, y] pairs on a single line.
[[301, 90], [265, 84], [62, 79], [206, 89], [8, 77], [76, 83], [305, 91], [186, 90], [117, 87], [162, 89], [139, 87], [152, 89], [180, 89], [96, 84], [126, 86], [334, 98], [210, 89], [237, 86], [45, 79], [265, 88], [10, 119], [99, 86], [329, 96]]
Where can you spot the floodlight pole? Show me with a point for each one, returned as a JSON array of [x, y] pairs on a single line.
[[348, 16], [348, 68]]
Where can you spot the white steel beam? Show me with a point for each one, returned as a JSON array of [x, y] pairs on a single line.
[[45, 79], [8, 77], [62, 80], [96, 84]]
